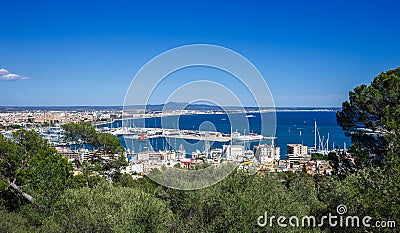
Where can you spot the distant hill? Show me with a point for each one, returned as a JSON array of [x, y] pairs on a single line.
[[158, 108]]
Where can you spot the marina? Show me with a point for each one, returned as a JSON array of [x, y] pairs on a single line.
[[200, 135], [292, 127]]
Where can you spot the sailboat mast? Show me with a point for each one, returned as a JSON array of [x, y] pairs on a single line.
[[315, 135], [231, 137], [327, 144]]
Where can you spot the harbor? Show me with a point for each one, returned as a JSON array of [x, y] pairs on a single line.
[[200, 135]]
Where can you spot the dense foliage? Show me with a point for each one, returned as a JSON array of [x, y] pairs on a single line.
[[31, 170], [103, 144], [233, 205], [84, 133], [372, 118], [39, 194]]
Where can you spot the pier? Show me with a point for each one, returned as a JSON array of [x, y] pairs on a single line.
[[200, 135]]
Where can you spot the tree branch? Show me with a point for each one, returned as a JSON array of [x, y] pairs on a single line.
[[18, 189]]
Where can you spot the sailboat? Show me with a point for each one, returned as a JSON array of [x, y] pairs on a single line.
[[142, 138], [323, 146]]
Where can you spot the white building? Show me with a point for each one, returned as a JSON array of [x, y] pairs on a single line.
[[297, 149], [134, 168], [267, 153], [297, 153], [233, 152]]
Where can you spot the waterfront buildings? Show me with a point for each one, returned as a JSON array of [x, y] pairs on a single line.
[[41, 117], [267, 153], [297, 149], [264, 157], [233, 152]]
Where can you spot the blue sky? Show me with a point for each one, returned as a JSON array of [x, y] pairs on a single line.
[[311, 53]]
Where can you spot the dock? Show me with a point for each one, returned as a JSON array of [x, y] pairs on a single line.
[[200, 135]]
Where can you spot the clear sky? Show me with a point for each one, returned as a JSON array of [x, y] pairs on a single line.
[[311, 53]]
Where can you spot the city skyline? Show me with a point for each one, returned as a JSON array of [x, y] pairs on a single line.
[[75, 54]]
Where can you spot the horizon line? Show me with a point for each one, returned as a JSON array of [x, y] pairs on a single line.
[[65, 106]]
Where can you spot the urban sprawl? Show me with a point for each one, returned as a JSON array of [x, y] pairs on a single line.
[[263, 157]]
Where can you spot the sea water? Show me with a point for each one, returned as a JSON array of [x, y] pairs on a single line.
[[291, 127]]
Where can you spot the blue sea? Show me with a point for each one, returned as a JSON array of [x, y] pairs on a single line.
[[291, 127]]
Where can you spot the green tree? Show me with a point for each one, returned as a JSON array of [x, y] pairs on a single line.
[[80, 133], [112, 168], [372, 118], [84, 133], [341, 163], [107, 208], [32, 169], [14, 222], [108, 144], [235, 204], [104, 145], [371, 191]]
